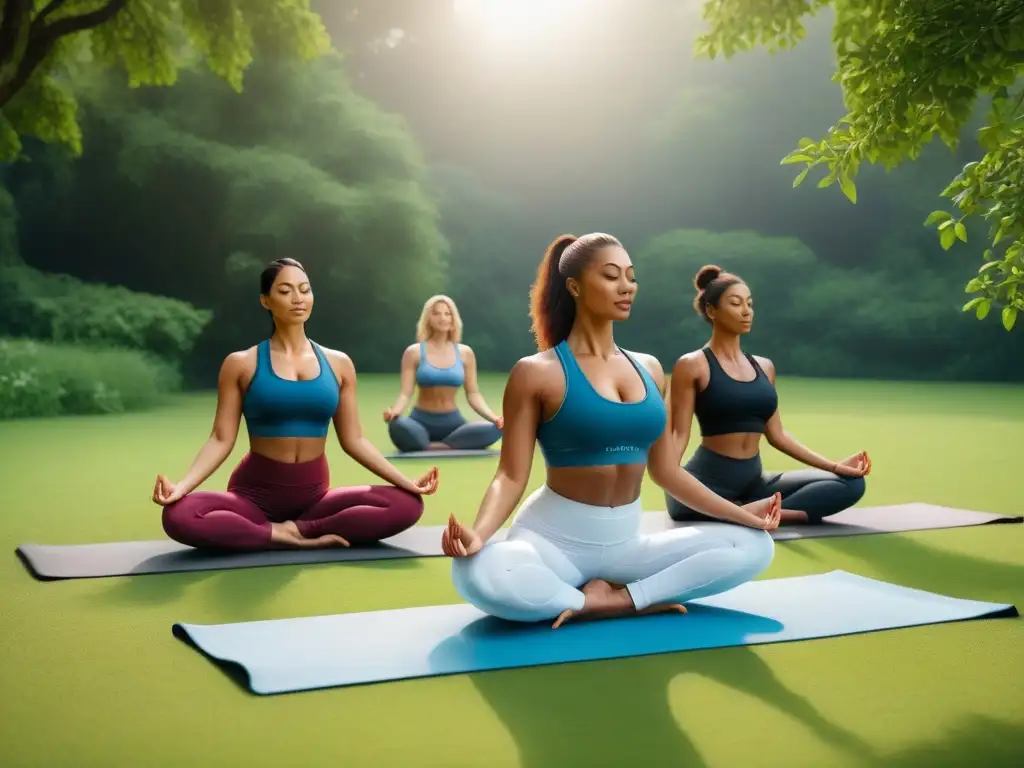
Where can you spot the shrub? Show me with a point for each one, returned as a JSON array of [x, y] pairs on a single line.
[[45, 379], [63, 309]]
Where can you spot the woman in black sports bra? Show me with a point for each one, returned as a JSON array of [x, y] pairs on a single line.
[[733, 396]]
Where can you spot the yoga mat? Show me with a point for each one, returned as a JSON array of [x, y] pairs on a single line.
[[82, 561], [290, 655], [859, 521], [449, 454], [130, 558]]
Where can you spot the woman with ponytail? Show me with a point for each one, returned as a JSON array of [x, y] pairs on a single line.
[[575, 548], [290, 390], [733, 396]]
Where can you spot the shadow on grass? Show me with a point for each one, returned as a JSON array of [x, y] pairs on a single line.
[[979, 740], [912, 561], [618, 713]]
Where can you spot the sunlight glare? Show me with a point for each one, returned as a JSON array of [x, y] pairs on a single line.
[[516, 19]]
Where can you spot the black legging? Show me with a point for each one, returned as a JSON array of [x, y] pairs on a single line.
[[812, 491]]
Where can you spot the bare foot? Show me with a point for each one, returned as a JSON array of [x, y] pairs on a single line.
[[438, 447], [287, 534], [792, 516], [604, 601]]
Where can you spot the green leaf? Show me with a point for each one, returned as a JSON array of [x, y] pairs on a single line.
[[946, 238], [973, 303], [1009, 317], [983, 307], [804, 143], [848, 187], [801, 176], [961, 231], [936, 216], [797, 158], [988, 265], [946, 224]]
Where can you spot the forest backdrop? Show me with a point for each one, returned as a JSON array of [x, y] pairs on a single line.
[[427, 155]]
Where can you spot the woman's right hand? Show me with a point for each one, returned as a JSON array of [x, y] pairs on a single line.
[[766, 513], [390, 414], [165, 492], [460, 540]]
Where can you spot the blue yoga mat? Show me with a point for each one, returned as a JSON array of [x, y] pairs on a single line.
[[288, 655]]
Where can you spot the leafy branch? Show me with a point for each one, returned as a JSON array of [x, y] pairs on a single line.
[[913, 70]]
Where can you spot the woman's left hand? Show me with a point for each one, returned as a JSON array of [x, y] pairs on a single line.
[[500, 422], [858, 465], [426, 485]]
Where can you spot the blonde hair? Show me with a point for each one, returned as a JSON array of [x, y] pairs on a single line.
[[423, 330]]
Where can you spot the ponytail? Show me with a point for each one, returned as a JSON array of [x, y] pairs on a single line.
[[552, 307]]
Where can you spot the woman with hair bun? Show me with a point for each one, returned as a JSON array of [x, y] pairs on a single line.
[[575, 548], [290, 391], [733, 396]]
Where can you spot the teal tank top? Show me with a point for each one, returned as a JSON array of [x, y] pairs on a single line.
[[589, 430], [276, 407], [428, 375]]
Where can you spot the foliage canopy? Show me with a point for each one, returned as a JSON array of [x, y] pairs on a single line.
[[913, 70]]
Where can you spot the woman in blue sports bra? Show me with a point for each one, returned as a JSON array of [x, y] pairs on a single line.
[[576, 547], [290, 390], [439, 363], [733, 396]]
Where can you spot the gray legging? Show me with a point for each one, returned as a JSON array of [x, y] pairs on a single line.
[[813, 491], [420, 428]]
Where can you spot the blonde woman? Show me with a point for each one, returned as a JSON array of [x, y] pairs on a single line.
[[439, 364]]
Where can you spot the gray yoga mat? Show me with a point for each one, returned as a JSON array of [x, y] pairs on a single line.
[[860, 521], [444, 454], [131, 558], [128, 558]]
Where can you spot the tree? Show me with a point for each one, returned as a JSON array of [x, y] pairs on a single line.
[[189, 191], [913, 70], [45, 45]]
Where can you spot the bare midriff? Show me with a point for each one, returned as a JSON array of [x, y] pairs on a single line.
[[288, 450], [437, 399], [738, 445], [604, 486]]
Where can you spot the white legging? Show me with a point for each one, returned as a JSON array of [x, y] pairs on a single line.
[[556, 545]]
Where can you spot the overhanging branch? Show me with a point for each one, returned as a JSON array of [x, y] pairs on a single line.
[[42, 36]]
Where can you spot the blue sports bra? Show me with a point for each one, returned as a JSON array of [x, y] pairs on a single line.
[[589, 430], [428, 375], [276, 407]]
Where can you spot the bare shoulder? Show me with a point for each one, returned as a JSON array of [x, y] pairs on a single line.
[[535, 372], [341, 363], [691, 365], [467, 352], [240, 362], [766, 365], [653, 366], [412, 352], [650, 362]]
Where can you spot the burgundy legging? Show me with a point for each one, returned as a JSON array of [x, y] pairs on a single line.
[[261, 491]]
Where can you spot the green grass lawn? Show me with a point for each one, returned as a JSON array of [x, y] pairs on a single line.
[[92, 676]]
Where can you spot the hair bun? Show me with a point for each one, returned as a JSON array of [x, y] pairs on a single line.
[[705, 276]]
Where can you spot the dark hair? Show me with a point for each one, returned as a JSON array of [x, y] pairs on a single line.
[[552, 307], [271, 271], [269, 275], [711, 282]]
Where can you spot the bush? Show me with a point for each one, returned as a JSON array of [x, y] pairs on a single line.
[[63, 309], [664, 324], [44, 379]]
